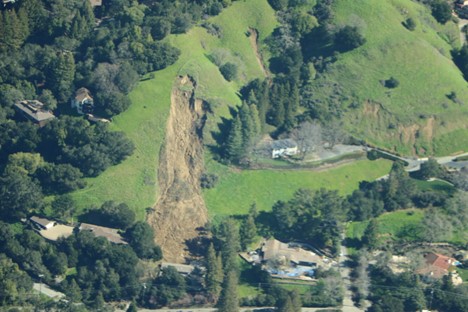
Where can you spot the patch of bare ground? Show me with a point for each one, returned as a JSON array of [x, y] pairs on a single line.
[[180, 209], [254, 43]]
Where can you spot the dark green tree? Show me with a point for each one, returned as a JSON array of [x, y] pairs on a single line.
[[141, 237], [63, 206], [60, 178], [19, 194], [348, 38], [410, 24], [228, 301], [117, 215], [61, 76], [248, 231], [214, 273], [441, 10], [370, 238], [227, 235], [430, 169], [229, 71], [235, 142]]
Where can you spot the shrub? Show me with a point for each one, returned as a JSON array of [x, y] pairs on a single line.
[[208, 180], [410, 24], [229, 71], [391, 83], [348, 38]]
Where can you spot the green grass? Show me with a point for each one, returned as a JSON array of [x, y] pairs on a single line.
[[420, 60], [463, 274], [390, 224], [135, 181], [238, 189], [436, 185]]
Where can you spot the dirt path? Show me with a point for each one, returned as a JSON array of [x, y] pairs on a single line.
[[180, 209], [254, 43]]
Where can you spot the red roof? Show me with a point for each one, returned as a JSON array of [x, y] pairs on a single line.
[[439, 261]]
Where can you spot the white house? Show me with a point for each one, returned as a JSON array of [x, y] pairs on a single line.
[[83, 102], [286, 147]]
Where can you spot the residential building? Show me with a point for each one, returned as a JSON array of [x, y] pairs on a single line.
[[42, 223], [437, 265], [83, 101], [34, 111], [274, 250], [285, 147], [112, 235], [184, 269]]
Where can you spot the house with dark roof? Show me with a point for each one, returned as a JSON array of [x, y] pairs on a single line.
[[112, 235], [34, 111], [83, 101], [285, 147]]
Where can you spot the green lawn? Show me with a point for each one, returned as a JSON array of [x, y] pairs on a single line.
[[238, 189], [390, 224], [463, 274], [420, 60], [436, 185], [134, 181]]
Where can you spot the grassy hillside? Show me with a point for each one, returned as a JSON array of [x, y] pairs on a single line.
[[134, 181], [417, 116], [237, 190]]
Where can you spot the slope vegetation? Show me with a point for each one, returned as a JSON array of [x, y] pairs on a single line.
[[417, 116], [134, 181]]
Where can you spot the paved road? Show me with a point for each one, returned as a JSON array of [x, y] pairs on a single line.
[[414, 164], [345, 271]]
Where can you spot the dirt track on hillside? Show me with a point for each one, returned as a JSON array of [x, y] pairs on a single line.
[[254, 43], [180, 209]]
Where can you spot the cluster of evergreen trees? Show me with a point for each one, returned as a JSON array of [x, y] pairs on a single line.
[[244, 133]]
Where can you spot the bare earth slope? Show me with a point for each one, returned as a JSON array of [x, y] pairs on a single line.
[[180, 209]]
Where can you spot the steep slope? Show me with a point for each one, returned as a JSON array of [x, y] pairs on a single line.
[[135, 180], [417, 116], [180, 209]]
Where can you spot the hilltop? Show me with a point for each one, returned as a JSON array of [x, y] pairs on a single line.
[[416, 117]]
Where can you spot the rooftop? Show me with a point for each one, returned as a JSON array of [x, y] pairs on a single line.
[[274, 249], [181, 268], [34, 110], [112, 235], [281, 144], [41, 221], [439, 261], [82, 94]]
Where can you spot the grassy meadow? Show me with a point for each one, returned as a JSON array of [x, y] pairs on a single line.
[[420, 60], [135, 181], [238, 189]]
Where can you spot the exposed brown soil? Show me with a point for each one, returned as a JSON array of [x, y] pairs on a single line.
[[254, 43], [408, 134], [180, 209]]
